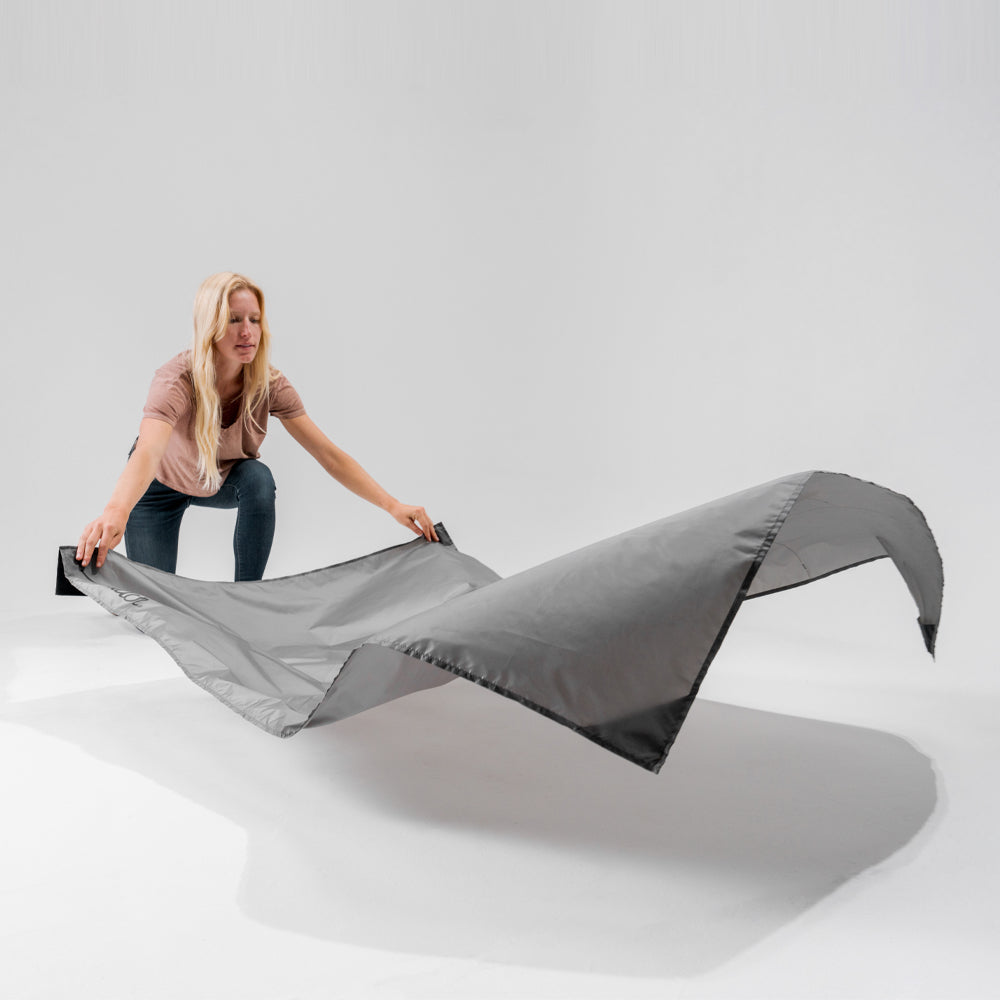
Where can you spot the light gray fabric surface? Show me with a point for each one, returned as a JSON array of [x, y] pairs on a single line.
[[612, 640]]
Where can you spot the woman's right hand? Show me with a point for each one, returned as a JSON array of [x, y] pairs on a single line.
[[100, 536]]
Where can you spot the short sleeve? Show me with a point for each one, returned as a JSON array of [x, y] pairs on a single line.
[[171, 395], [283, 401]]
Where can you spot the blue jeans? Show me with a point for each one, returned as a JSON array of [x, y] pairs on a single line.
[[155, 522]]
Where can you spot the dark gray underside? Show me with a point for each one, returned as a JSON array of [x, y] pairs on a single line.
[[612, 640]]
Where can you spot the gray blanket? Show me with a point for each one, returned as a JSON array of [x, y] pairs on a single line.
[[612, 640]]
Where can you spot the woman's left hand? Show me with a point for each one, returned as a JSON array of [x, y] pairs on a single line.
[[416, 519]]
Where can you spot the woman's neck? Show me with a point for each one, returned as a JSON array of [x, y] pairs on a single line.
[[229, 383]]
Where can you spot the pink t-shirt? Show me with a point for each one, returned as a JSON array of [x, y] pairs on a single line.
[[171, 398]]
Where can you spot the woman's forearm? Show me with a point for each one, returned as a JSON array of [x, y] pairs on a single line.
[[106, 531], [134, 481], [353, 477], [350, 474]]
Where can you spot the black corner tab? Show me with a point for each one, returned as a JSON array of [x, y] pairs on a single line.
[[443, 537], [929, 632], [63, 587]]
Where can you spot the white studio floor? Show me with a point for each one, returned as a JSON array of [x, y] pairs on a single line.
[[825, 827]]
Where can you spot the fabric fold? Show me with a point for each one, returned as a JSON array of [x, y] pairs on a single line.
[[612, 640]]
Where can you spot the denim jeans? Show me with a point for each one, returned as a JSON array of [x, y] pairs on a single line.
[[155, 522]]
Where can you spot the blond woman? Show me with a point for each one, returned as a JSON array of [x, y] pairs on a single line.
[[203, 424]]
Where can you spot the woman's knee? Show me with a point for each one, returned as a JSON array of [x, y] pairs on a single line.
[[255, 482]]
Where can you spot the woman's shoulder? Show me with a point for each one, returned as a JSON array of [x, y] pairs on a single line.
[[283, 400], [179, 364], [172, 387], [175, 374]]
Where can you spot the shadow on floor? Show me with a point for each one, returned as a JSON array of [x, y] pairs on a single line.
[[457, 823]]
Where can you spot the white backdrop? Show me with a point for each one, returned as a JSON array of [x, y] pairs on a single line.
[[551, 270]]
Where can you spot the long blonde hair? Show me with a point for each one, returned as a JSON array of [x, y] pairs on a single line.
[[211, 319]]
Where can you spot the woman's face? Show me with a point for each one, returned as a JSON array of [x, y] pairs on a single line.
[[243, 330]]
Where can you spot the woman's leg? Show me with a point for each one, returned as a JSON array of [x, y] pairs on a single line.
[[250, 488], [154, 525]]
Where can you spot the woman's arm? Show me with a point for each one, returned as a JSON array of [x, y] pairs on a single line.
[[106, 531], [349, 473]]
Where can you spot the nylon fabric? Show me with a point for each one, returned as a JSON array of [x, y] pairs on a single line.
[[612, 640]]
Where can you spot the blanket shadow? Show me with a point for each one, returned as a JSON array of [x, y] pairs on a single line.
[[456, 823], [755, 818]]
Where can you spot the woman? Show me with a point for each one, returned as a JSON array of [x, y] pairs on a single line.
[[203, 423]]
